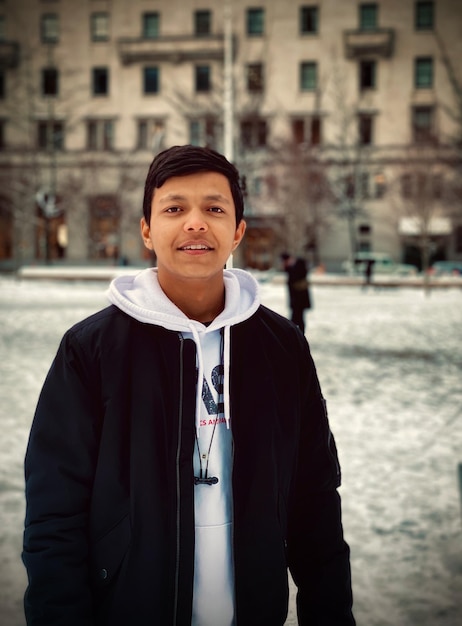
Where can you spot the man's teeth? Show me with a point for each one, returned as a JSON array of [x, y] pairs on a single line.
[[196, 247]]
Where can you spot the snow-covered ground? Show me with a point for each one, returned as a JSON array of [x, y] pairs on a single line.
[[390, 364]]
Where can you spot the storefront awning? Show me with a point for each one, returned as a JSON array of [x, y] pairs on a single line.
[[412, 226]]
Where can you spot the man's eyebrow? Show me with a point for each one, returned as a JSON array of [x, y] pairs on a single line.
[[215, 197]]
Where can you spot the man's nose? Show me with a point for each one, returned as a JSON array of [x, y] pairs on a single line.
[[196, 221]]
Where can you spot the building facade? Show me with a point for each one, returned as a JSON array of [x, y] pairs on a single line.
[[343, 116]]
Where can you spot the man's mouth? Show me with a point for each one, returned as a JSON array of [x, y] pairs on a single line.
[[197, 246]]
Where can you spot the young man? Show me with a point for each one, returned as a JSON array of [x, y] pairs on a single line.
[[180, 459]]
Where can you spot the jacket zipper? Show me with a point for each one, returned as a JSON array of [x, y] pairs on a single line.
[[232, 529], [180, 420]]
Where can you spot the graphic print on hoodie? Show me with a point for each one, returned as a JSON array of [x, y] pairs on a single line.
[[141, 297]]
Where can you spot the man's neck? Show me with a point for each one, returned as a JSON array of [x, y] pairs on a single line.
[[197, 300]]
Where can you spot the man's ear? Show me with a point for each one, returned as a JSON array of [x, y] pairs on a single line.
[[240, 230], [146, 233]]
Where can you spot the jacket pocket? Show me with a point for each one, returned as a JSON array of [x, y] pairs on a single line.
[[108, 553]]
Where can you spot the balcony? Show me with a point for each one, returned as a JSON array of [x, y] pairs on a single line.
[[9, 54], [359, 43], [175, 49]]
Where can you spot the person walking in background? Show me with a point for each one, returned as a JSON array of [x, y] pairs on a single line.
[[180, 460], [368, 272], [298, 286]]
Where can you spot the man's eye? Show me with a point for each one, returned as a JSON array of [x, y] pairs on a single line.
[[216, 209], [173, 209]]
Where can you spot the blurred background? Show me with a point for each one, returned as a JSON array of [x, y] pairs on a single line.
[[345, 121], [344, 118]]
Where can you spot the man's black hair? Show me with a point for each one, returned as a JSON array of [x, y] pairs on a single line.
[[184, 160]]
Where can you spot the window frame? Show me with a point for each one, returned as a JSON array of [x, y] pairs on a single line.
[[2, 28], [50, 77], [255, 77], [147, 30], [44, 128], [153, 81], [202, 83], [202, 22], [424, 15], [309, 19], [255, 23], [308, 76], [97, 33], [49, 28], [367, 74], [204, 131], [147, 128], [365, 129], [257, 133], [100, 74], [423, 73], [423, 133], [102, 130], [365, 22]]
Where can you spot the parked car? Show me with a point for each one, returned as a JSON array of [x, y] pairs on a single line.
[[446, 268], [382, 264]]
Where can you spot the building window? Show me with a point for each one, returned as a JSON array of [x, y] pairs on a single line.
[[2, 85], [49, 28], [151, 134], [50, 81], [424, 15], [254, 133], [379, 185], [150, 80], [458, 239], [6, 227], [150, 25], [364, 184], [203, 132], [2, 134], [104, 227], [202, 78], [367, 75], [308, 20], [308, 76], [202, 23], [315, 130], [99, 26], [406, 186], [365, 128], [368, 16], [423, 124], [423, 77], [255, 77], [50, 135], [307, 130], [255, 22], [100, 135], [2, 28], [100, 81]]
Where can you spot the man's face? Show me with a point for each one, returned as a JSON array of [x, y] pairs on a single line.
[[193, 227]]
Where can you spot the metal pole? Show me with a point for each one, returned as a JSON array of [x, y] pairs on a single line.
[[459, 471], [228, 100], [228, 103]]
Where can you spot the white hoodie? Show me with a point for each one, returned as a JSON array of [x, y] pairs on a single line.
[[141, 297]]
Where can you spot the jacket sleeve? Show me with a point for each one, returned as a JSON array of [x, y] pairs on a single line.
[[318, 555], [59, 469]]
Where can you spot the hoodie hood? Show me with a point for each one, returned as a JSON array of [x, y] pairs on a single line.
[[141, 297]]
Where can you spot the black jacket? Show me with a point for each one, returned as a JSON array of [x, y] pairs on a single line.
[[109, 536]]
